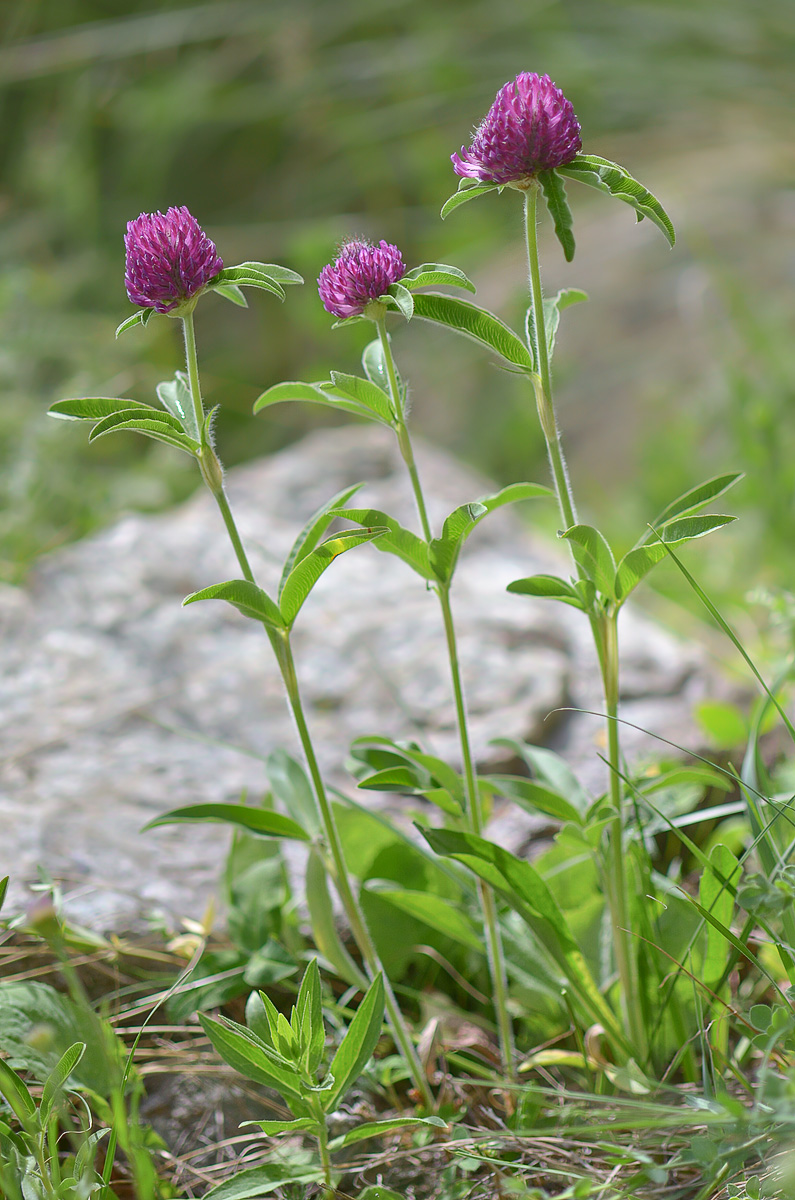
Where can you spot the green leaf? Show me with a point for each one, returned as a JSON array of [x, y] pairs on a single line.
[[433, 911], [521, 885], [534, 797], [691, 501], [269, 1128], [475, 323], [594, 556], [313, 531], [309, 1009], [290, 785], [305, 574], [255, 1182], [230, 291], [609, 177], [444, 550], [551, 769], [374, 365], [161, 426], [95, 408], [324, 929], [637, 563], [246, 597], [281, 393], [555, 196], [549, 586], [402, 298], [17, 1095], [174, 395], [374, 1129], [3, 890], [138, 318], [58, 1077], [356, 1048], [553, 307], [261, 821], [273, 271], [248, 275], [436, 275], [396, 539], [464, 194], [718, 898], [262, 1017], [363, 392], [252, 1058]]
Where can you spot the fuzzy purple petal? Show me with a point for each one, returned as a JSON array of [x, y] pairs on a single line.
[[361, 272], [169, 258], [530, 127]]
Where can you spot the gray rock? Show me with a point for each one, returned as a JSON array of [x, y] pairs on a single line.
[[119, 704]]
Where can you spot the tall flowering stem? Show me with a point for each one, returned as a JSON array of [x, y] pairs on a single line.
[[213, 476], [604, 626], [495, 951]]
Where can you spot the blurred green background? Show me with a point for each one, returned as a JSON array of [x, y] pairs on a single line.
[[286, 125]]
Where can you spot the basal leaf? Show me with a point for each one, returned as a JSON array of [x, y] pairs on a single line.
[[58, 1077], [16, 1094], [435, 912], [307, 571], [475, 323], [436, 275], [465, 194], [534, 797], [324, 929], [551, 769], [364, 392], [555, 196], [313, 531], [357, 1046], [281, 393], [96, 408], [261, 821], [395, 540], [256, 1182], [609, 177], [246, 597], [594, 556]]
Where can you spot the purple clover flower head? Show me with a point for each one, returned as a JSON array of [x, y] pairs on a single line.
[[360, 273], [530, 127], [169, 259]]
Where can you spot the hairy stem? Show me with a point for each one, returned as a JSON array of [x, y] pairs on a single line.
[[495, 952]]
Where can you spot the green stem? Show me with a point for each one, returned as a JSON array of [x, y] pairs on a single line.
[[193, 373], [213, 477], [605, 634], [342, 880], [322, 1142], [495, 952]]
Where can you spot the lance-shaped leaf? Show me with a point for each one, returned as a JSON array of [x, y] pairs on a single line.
[[395, 539], [246, 597], [445, 549], [138, 318], [375, 1129], [362, 391], [279, 274], [477, 324], [57, 1078], [609, 177], [637, 563], [437, 913], [534, 797], [313, 531], [160, 426], [375, 368], [520, 884], [305, 574], [549, 586], [690, 502], [401, 298], [248, 275], [436, 275], [553, 307], [467, 191], [174, 395], [324, 929], [96, 408], [281, 393], [555, 195], [309, 1014], [260, 821], [16, 1094], [356, 1048], [256, 1182], [270, 1128], [230, 291], [594, 556], [244, 1051]]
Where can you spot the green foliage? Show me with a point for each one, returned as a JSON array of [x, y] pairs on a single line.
[[609, 177]]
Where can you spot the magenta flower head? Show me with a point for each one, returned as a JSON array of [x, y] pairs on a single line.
[[360, 273], [530, 127], [170, 259]]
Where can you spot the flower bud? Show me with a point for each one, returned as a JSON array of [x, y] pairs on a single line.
[[169, 260], [360, 273]]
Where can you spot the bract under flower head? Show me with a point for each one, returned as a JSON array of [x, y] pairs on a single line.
[[530, 127], [169, 259], [360, 273]]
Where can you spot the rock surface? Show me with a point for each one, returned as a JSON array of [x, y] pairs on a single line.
[[119, 704]]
